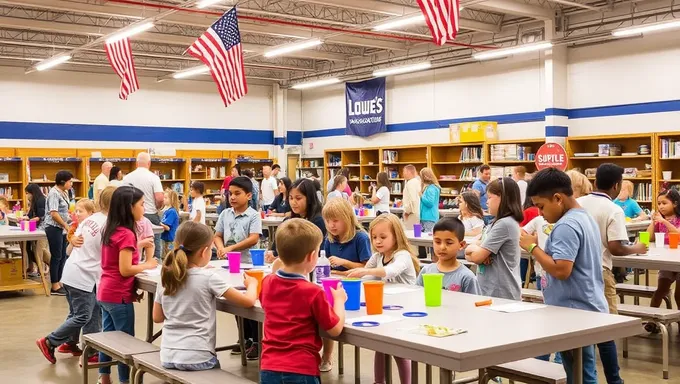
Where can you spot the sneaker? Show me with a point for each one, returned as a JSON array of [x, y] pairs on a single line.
[[46, 349], [58, 292], [253, 353], [325, 366], [92, 360], [237, 349], [70, 348]]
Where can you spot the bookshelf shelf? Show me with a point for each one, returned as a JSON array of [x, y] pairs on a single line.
[[311, 167], [622, 157]]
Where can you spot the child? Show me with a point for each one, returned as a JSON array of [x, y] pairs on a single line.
[[84, 209], [630, 207], [296, 309], [580, 184], [4, 210], [394, 263], [429, 201], [144, 232], [170, 220], [339, 184], [448, 238], [357, 200], [280, 206], [186, 301], [498, 255], [471, 213], [197, 203], [381, 194], [80, 277], [572, 258], [120, 264]]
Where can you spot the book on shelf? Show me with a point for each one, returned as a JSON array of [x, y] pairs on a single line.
[[468, 173], [471, 154], [670, 148], [643, 192], [511, 152], [390, 156], [334, 161], [7, 192], [498, 172]]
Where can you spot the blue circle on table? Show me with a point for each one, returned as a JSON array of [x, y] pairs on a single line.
[[393, 307], [365, 324], [363, 304], [415, 314]]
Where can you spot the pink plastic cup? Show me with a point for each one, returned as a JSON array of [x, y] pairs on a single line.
[[327, 284], [234, 262]]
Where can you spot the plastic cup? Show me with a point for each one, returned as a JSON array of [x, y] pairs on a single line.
[[327, 284], [644, 238], [353, 289], [417, 230], [234, 262], [667, 175], [373, 292], [433, 289], [259, 275], [673, 240], [257, 256], [660, 239]]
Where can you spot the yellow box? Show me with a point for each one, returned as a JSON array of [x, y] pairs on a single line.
[[473, 132], [10, 271]]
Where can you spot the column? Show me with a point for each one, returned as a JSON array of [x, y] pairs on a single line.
[[279, 108], [555, 90]]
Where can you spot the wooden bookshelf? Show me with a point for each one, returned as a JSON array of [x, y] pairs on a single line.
[[370, 166], [332, 165], [44, 169], [352, 160], [210, 172], [312, 167], [667, 160], [255, 164], [394, 159], [503, 156], [12, 178], [455, 166]]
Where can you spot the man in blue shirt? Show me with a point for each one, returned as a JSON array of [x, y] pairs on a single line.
[[572, 258], [484, 176]]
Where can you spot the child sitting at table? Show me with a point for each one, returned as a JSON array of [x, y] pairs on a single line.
[[394, 263], [630, 207], [170, 220], [338, 188], [572, 258], [186, 301], [448, 237], [296, 308]]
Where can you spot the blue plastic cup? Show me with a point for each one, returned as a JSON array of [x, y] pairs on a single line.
[[353, 289], [257, 256]]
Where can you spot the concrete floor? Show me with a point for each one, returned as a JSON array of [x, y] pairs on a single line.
[[24, 317]]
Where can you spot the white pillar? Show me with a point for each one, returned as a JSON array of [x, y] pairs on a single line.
[[279, 108], [555, 90]]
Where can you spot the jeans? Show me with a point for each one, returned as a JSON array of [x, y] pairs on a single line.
[[155, 220], [210, 364], [84, 313], [589, 368], [558, 358], [269, 377], [610, 362], [117, 317], [251, 330], [56, 238]]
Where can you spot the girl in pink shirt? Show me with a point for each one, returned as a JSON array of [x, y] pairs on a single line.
[[120, 264]]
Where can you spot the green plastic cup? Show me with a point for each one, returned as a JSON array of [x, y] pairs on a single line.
[[433, 283], [644, 238]]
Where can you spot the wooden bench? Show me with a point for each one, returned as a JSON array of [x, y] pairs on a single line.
[[639, 291], [662, 317], [529, 371], [532, 295], [119, 345], [151, 363]]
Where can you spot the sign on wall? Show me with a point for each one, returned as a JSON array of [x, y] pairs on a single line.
[[365, 107], [551, 155]]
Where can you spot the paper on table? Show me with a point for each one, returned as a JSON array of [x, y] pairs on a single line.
[[382, 319], [153, 272], [515, 307], [397, 290]]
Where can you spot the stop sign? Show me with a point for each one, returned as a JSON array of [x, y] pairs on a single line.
[[551, 155]]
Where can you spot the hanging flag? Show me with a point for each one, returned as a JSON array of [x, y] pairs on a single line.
[[120, 57], [220, 49], [442, 18]]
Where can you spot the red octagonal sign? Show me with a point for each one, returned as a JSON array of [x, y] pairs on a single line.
[[551, 155]]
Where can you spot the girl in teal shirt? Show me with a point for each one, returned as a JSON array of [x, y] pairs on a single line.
[[429, 201], [630, 207]]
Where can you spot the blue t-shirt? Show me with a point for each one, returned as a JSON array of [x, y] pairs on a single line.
[[356, 250], [171, 219], [480, 187], [576, 238], [630, 207]]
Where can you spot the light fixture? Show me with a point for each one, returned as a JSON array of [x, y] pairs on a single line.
[[206, 3], [641, 29], [395, 24], [282, 50], [496, 53], [191, 72], [49, 63], [404, 69], [131, 31], [318, 83]]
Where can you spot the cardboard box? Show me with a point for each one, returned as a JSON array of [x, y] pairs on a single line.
[[474, 132], [10, 271]]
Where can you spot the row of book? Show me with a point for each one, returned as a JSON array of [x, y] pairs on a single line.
[[503, 152], [643, 192], [471, 154], [670, 148]]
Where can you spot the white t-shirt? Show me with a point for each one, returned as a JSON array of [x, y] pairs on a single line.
[[269, 189], [473, 222], [190, 326], [539, 226], [84, 266], [384, 204], [399, 270], [115, 182], [609, 218], [198, 204], [100, 182], [336, 194], [522, 184], [149, 183]]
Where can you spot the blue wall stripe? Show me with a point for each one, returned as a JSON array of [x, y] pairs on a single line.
[[625, 109], [556, 131], [294, 138], [279, 141], [557, 112]]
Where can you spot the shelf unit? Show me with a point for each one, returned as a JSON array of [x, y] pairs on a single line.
[[667, 159], [394, 159], [210, 172], [370, 167], [503, 156], [12, 184], [455, 166], [645, 185], [42, 171], [311, 167], [255, 164]]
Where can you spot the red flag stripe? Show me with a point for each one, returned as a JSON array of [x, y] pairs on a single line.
[[119, 54]]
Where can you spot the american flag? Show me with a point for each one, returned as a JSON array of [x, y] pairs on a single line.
[[442, 18], [120, 57], [220, 49]]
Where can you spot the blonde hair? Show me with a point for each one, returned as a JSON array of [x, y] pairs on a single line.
[[4, 201], [105, 198], [427, 177], [521, 171], [191, 238], [88, 205], [297, 238], [401, 242], [174, 198], [340, 209], [628, 186], [579, 182], [357, 199]]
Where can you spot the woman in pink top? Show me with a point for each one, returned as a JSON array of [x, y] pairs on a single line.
[[120, 264]]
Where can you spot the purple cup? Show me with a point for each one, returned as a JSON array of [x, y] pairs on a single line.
[[417, 230], [234, 262], [327, 284]]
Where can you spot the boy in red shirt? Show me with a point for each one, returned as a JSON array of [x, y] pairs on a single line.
[[296, 309]]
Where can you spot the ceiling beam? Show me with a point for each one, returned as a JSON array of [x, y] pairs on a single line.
[[516, 8]]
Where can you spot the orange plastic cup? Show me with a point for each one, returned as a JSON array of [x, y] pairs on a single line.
[[673, 240], [373, 292], [259, 275]]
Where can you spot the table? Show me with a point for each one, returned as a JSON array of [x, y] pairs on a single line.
[[485, 344], [634, 227], [209, 217], [663, 259], [453, 212], [15, 234], [157, 229]]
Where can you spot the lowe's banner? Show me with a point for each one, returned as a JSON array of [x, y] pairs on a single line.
[[366, 107]]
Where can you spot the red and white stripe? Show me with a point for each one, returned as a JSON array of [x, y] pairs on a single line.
[[119, 54], [442, 18]]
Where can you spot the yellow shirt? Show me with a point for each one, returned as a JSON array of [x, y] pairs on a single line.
[[101, 182], [412, 202]]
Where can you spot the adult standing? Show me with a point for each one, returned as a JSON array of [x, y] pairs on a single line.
[[412, 192], [519, 174], [483, 178], [149, 183], [269, 187], [102, 181], [116, 177], [277, 172], [56, 226], [39, 249], [429, 201]]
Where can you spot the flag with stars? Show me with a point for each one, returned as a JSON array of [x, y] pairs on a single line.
[[220, 49]]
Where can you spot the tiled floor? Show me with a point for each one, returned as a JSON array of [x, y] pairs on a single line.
[[26, 317]]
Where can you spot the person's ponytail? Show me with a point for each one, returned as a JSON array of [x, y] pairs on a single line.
[[174, 272]]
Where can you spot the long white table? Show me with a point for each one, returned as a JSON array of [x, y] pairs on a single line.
[[453, 212], [486, 342], [15, 234], [662, 259]]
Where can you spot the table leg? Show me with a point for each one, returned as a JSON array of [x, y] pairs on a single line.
[[636, 281], [577, 368], [357, 366], [414, 372], [149, 317], [86, 351], [388, 369], [341, 358], [428, 374], [241, 340], [445, 376]]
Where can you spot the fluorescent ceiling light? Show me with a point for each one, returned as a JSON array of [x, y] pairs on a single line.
[[49, 63], [496, 53], [404, 69], [639, 30], [207, 3], [191, 72], [319, 83], [282, 50], [395, 24], [131, 31]]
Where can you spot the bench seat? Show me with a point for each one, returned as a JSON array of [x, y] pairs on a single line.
[[529, 371], [151, 363]]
